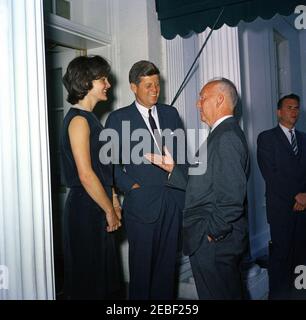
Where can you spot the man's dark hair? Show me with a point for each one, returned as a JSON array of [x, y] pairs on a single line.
[[288, 96], [80, 73], [140, 69]]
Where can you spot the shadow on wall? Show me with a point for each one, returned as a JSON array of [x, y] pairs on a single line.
[[238, 111], [301, 124], [162, 96]]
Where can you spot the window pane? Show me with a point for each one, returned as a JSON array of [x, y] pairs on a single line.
[[63, 8]]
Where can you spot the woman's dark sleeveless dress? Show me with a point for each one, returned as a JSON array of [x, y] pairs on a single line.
[[90, 256]]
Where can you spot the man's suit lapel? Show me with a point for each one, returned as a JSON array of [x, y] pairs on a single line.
[[161, 117], [137, 119], [284, 140], [299, 141], [219, 129]]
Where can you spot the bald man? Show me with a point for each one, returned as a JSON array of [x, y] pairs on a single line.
[[215, 222]]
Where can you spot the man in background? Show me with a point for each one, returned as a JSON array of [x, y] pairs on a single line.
[[281, 154]]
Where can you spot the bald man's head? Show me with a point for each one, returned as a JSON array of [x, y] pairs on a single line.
[[218, 98], [227, 88]]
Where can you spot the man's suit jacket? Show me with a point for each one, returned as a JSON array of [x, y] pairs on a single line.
[[143, 204], [216, 200], [283, 171]]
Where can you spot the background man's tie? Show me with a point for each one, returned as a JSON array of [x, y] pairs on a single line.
[[156, 134], [293, 142]]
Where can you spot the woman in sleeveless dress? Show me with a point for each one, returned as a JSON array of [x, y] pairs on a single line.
[[92, 210]]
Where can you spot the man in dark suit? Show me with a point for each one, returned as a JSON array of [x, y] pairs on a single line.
[[152, 211], [281, 154], [215, 226]]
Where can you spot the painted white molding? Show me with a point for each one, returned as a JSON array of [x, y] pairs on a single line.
[[25, 191], [220, 58], [175, 73], [76, 35], [115, 47]]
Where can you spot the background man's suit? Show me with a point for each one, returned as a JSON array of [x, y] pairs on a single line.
[[285, 177], [152, 213], [216, 206]]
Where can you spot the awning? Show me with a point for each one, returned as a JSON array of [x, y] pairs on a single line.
[[185, 16]]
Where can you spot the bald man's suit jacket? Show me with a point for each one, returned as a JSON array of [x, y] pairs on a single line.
[[216, 200]]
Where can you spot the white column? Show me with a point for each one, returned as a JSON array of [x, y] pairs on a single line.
[[220, 58], [138, 38], [25, 191], [175, 73]]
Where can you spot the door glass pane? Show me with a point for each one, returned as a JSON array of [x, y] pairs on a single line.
[[63, 8]]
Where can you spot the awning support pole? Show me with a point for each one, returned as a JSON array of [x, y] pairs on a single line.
[[182, 86]]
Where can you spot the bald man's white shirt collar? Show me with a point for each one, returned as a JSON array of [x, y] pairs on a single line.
[[219, 121]]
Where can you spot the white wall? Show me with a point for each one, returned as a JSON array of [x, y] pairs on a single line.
[[138, 38], [96, 14]]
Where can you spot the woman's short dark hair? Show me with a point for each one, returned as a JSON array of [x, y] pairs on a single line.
[[140, 69], [80, 73]]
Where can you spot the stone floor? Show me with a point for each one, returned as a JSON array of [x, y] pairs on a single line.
[[255, 277]]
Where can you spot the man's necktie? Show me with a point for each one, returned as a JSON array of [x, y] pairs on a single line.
[[156, 134], [293, 142]]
